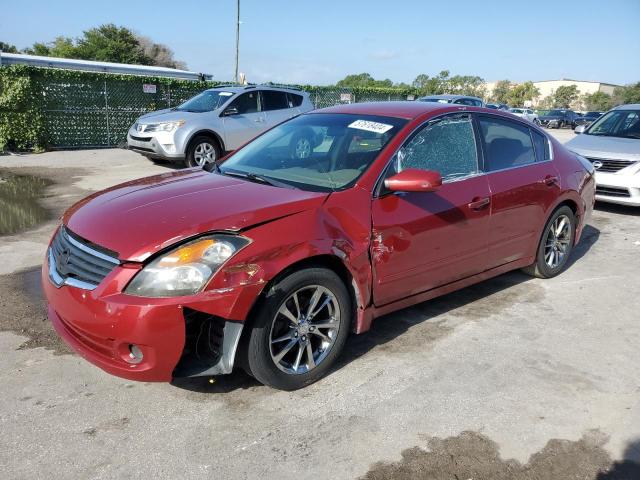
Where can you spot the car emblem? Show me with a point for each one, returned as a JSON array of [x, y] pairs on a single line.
[[597, 164], [139, 128], [62, 262]]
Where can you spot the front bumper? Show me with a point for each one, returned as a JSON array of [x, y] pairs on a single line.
[[619, 189], [161, 146], [102, 324]]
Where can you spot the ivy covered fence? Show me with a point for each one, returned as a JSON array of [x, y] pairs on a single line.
[[44, 108]]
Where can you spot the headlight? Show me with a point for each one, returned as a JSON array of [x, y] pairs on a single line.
[[163, 126], [186, 269]]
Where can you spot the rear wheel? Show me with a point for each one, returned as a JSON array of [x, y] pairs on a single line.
[[203, 151], [300, 329], [302, 145], [555, 245]]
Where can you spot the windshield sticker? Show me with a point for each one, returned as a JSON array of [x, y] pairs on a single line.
[[225, 94], [374, 127]]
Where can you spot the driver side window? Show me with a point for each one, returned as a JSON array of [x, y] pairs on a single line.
[[446, 145], [246, 103]]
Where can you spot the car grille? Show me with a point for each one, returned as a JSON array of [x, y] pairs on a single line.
[[140, 139], [613, 191], [609, 165], [77, 262]]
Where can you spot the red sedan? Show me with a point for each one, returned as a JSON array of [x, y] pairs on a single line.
[[270, 259]]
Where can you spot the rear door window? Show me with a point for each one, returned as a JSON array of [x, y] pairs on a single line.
[[273, 100], [507, 144]]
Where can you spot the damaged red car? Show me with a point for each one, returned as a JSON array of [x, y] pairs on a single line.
[[270, 259]]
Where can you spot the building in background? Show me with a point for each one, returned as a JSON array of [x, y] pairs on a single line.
[[548, 88]]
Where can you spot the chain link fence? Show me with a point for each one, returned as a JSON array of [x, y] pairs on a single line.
[[88, 109]]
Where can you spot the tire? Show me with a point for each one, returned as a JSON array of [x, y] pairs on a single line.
[[278, 348], [203, 150], [301, 145], [560, 125], [547, 264], [536, 121]]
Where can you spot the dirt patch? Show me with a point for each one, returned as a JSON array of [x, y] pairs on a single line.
[[22, 311], [471, 455]]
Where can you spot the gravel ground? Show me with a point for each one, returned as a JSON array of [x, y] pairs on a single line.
[[512, 378]]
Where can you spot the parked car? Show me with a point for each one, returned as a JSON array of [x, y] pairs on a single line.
[[268, 261], [559, 119], [498, 106], [216, 121], [587, 119], [527, 114], [612, 145], [457, 99]]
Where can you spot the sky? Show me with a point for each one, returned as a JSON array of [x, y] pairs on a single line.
[[319, 42]]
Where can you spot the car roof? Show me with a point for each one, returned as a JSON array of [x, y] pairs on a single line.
[[449, 96], [629, 106], [243, 88], [402, 109]]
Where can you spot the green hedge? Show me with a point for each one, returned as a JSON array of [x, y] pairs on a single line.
[[43, 107]]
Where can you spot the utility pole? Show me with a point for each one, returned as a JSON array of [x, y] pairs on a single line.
[[237, 39]]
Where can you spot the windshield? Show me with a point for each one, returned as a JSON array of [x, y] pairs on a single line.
[[516, 110], [617, 123], [558, 113], [205, 102], [319, 152], [593, 114], [438, 100]]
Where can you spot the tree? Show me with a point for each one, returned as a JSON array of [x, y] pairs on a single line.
[[500, 92], [8, 48], [160, 54], [465, 85], [565, 95], [597, 101], [109, 43], [363, 80], [627, 94], [427, 85], [521, 93]]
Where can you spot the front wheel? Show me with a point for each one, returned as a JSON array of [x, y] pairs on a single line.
[[300, 329], [555, 245], [203, 151]]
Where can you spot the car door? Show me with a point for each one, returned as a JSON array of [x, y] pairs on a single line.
[[242, 120], [276, 107], [421, 240], [523, 182]]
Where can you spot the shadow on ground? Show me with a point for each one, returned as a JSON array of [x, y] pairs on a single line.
[[472, 455]]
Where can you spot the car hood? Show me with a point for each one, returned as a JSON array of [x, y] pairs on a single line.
[[138, 218], [605, 147], [167, 115]]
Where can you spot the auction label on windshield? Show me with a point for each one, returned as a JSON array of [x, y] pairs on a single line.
[[369, 126]]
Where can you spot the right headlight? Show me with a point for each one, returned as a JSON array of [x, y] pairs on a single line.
[[186, 269]]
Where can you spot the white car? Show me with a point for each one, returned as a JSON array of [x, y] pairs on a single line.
[[526, 113], [612, 145]]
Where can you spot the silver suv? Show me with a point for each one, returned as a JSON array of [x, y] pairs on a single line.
[[217, 121]]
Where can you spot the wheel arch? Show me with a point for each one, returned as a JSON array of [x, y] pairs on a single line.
[[328, 261], [208, 133]]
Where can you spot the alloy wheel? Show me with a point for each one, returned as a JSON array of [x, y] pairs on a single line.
[[557, 241], [304, 329], [204, 154]]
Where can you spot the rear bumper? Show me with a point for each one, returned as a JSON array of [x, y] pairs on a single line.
[[102, 324]]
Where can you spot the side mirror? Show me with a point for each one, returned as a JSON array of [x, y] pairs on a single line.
[[230, 111], [580, 129], [414, 180]]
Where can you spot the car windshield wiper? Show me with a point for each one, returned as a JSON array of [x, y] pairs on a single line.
[[254, 177]]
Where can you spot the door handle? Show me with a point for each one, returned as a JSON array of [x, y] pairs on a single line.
[[479, 203], [549, 180]]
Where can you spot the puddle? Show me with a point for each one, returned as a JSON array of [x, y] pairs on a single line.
[[19, 207]]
